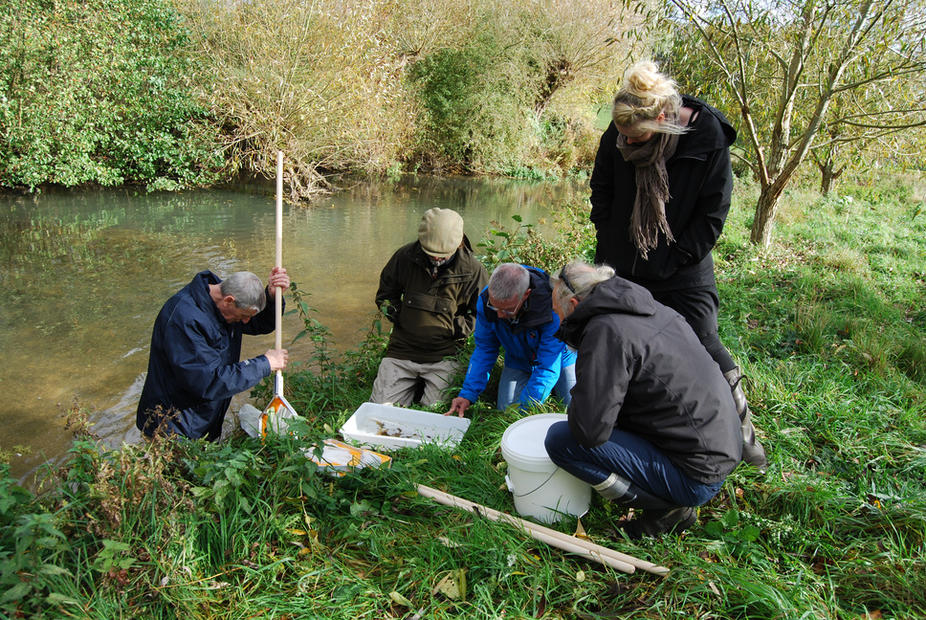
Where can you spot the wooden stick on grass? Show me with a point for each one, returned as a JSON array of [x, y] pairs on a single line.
[[587, 549]]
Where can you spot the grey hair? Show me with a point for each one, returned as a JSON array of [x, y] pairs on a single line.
[[247, 289], [509, 280], [582, 277]]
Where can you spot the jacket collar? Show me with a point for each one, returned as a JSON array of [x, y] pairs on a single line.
[[199, 291], [614, 296], [710, 131]]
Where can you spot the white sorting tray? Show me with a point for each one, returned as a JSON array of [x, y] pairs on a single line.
[[385, 426]]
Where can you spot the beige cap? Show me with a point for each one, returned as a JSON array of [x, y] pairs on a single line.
[[440, 232]]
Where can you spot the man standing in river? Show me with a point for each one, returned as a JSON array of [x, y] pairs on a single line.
[[428, 289], [193, 367]]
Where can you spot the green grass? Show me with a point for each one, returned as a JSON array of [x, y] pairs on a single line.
[[829, 327]]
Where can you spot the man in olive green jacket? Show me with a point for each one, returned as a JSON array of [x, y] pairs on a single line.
[[428, 289]]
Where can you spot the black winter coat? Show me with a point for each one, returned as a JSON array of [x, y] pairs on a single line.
[[642, 369], [193, 367], [700, 184]]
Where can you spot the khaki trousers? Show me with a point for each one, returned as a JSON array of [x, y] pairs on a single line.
[[397, 379]]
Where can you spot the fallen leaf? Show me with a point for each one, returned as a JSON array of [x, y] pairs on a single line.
[[398, 599], [448, 543], [580, 531], [452, 585]]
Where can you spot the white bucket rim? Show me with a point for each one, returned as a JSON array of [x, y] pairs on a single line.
[[528, 462]]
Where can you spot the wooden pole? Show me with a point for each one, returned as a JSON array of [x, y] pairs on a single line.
[[603, 555], [278, 297]]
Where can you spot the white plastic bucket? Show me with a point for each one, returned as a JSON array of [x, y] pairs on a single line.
[[540, 489]]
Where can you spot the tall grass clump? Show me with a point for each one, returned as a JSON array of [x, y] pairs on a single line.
[[100, 93]]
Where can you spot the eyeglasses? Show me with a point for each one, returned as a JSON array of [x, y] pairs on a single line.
[[510, 313], [565, 280]]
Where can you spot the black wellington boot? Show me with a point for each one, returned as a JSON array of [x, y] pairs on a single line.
[[659, 515], [622, 491], [666, 521], [753, 452]]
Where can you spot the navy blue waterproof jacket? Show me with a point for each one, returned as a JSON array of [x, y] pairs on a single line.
[[193, 368], [530, 344]]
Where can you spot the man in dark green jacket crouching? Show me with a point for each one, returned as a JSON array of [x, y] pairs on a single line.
[[428, 289]]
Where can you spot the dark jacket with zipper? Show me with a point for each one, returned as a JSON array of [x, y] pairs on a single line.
[[641, 369], [193, 367], [700, 184], [431, 315]]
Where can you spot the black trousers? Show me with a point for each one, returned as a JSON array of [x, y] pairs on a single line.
[[699, 307]]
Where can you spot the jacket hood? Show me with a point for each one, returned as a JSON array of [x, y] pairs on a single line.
[[712, 130], [616, 295], [199, 291]]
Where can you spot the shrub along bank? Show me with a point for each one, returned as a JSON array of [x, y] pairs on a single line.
[[99, 92], [172, 93], [830, 329]]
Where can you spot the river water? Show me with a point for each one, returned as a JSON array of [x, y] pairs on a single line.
[[84, 274]]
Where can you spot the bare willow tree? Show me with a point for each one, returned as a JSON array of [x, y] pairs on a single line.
[[584, 44], [318, 80], [807, 74]]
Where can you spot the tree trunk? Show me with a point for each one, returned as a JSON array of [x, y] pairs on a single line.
[[764, 219], [826, 178], [827, 166]]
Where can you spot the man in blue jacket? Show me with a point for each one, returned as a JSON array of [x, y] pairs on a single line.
[[515, 313], [193, 367]]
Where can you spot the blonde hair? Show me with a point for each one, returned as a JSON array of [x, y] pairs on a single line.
[[643, 95], [581, 277]]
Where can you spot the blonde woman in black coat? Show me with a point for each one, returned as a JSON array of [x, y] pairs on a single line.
[[661, 190]]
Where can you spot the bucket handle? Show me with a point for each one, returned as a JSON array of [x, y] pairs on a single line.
[[511, 487]]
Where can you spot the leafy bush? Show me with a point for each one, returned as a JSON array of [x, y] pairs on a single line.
[[522, 243], [98, 92], [516, 95], [475, 105]]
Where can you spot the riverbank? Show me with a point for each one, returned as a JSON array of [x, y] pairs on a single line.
[[829, 327], [172, 94], [85, 273]]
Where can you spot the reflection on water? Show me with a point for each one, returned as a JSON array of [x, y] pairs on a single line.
[[85, 273]]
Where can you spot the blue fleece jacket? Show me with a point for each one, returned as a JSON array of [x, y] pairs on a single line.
[[529, 344]]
